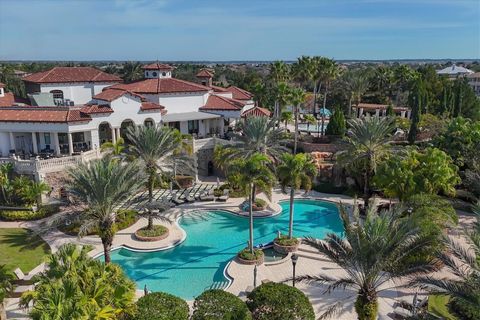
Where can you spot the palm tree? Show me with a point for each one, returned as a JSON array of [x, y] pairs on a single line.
[[6, 286], [366, 145], [310, 119], [102, 185], [259, 134], [329, 71], [356, 83], [116, 148], [132, 71], [279, 72], [32, 192], [282, 93], [75, 286], [253, 174], [286, 118], [6, 170], [296, 171], [158, 148], [383, 82], [297, 97], [373, 252], [464, 263]]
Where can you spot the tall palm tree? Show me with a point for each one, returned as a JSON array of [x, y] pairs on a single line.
[[102, 185], [366, 145], [158, 147], [286, 118], [253, 174], [355, 83], [132, 71], [383, 82], [259, 134], [75, 286], [373, 252], [282, 93], [297, 98], [279, 72], [6, 286], [296, 171], [464, 263], [329, 71], [309, 119], [116, 148]]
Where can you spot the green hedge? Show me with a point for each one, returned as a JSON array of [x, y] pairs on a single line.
[[125, 218], [284, 240], [161, 306], [156, 231], [219, 304], [278, 301], [245, 254], [27, 215]]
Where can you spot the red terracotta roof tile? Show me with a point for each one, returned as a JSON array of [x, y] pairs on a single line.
[[8, 100], [239, 94], [71, 74], [94, 108], [43, 114], [219, 89], [164, 85], [204, 73], [215, 102], [257, 112], [110, 94], [152, 106], [158, 66]]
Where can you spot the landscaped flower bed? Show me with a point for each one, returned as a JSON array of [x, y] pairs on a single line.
[[246, 257], [258, 205], [285, 245], [158, 232]]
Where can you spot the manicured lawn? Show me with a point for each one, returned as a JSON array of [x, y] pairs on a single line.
[[18, 250], [437, 304]]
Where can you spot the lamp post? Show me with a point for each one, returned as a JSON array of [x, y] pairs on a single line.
[[255, 276], [145, 290], [294, 263]]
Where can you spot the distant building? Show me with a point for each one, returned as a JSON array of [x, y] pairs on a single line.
[[374, 109], [474, 82], [454, 71]]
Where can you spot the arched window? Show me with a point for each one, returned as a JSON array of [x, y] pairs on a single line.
[[149, 123], [164, 74], [154, 74], [57, 95]]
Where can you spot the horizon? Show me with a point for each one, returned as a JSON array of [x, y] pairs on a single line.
[[186, 31]]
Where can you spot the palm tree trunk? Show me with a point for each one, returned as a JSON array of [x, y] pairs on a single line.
[[350, 107], [323, 109], [107, 245], [296, 130], [290, 226], [250, 215], [150, 198], [319, 90], [366, 189], [3, 313], [366, 306]]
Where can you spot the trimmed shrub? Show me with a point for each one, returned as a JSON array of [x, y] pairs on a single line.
[[218, 304], [161, 306], [284, 240], [337, 125], [156, 231], [27, 215], [278, 301], [245, 254]]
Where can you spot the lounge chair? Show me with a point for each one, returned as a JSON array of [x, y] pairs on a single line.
[[207, 196], [225, 196], [189, 198], [177, 201]]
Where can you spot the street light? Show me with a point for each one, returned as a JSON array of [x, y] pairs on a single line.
[[255, 276], [294, 263]]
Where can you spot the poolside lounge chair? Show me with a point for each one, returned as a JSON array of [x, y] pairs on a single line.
[[189, 198], [177, 201], [225, 196], [207, 196]]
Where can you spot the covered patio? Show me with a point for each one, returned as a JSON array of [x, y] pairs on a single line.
[[198, 124]]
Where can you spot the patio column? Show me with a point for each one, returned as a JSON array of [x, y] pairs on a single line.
[[118, 133], [56, 143], [34, 143], [114, 139], [222, 126], [12, 141], [402, 114], [377, 112], [360, 112], [70, 143]]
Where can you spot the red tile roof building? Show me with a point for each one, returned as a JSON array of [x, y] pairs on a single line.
[[215, 102], [239, 94], [162, 85], [43, 114], [158, 66], [71, 74], [256, 112]]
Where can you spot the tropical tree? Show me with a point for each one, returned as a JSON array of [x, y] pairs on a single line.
[[297, 98], [253, 174], [337, 125], [115, 149], [417, 100], [259, 135], [279, 72], [383, 83], [296, 171], [102, 185], [373, 252], [429, 171], [355, 83], [309, 119], [32, 192], [75, 286], [282, 94], [159, 148], [132, 71], [6, 170], [464, 263], [6, 286], [329, 71], [365, 147], [286, 118]]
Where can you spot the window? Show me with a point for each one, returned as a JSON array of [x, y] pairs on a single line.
[[57, 95], [192, 126], [148, 123], [154, 74], [46, 137], [164, 74]]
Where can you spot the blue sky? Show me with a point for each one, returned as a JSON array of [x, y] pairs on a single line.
[[238, 30]]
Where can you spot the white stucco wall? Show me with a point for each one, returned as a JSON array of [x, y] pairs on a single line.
[[79, 93], [179, 103]]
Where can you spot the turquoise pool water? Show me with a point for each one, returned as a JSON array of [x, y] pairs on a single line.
[[213, 239]]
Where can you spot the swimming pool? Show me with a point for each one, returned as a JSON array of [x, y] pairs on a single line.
[[213, 239]]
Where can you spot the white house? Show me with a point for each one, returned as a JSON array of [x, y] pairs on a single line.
[[454, 71], [70, 85]]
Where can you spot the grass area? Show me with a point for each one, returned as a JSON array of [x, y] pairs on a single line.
[[19, 250], [437, 304]]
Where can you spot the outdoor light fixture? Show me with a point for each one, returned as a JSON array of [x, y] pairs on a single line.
[[255, 276], [294, 263]]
